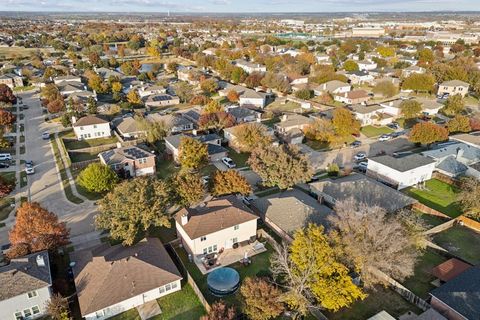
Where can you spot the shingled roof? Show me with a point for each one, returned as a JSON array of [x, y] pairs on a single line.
[[25, 274], [106, 275], [89, 120]]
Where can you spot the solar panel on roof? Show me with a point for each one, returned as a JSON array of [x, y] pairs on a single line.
[[160, 98]]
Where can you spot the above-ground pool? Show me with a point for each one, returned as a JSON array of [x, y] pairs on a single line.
[[223, 281]]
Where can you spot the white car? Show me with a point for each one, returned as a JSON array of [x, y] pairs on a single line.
[[362, 166], [385, 137], [228, 162], [46, 135], [360, 156], [29, 170]]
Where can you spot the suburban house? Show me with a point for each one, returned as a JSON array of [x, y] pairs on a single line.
[[189, 74], [359, 77], [430, 107], [175, 122], [230, 134], [114, 279], [412, 70], [213, 142], [161, 100], [290, 128], [401, 172], [68, 78], [366, 65], [332, 87], [91, 127], [128, 128], [459, 298], [25, 287], [145, 91], [361, 189], [352, 97], [392, 107], [106, 73], [11, 80], [129, 161], [453, 158], [289, 211], [453, 87], [66, 88], [248, 97], [371, 115], [323, 58], [250, 67], [217, 225], [243, 115]]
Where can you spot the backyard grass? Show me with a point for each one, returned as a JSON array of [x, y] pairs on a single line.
[[438, 195], [460, 241], [259, 267], [9, 177], [431, 220], [180, 305], [71, 144], [23, 179], [82, 156], [419, 283], [278, 106], [6, 207], [165, 168], [240, 159], [371, 131], [376, 301]]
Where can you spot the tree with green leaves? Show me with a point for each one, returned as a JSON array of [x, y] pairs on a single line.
[[209, 86], [455, 104], [428, 133], [184, 91], [154, 130], [459, 124], [281, 166], [310, 272], [419, 82], [249, 136], [345, 123], [350, 65], [98, 178], [304, 94], [230, 182], [133, 206], [91, 105], [193, 154], [425, 56], [410, 108], [261, 299], [188, 188], [385, 88]]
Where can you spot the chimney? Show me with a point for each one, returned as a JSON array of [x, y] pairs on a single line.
[[85, 88], [460, 152], [40, 261], [194, 132], [74, 119], [119, 144], [284, 117], [184, 219]]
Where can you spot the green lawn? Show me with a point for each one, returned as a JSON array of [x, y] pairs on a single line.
[[438, 195], [8, 176], [460, 241], [5, 207], [165, 168], [271, 122], [260, 266], [71, 144], [181, 305], [432, 221], [240, 159], [277, 106], [419, 283], [317, 145], [372, 131], [23, 179], [381, 299], [82, 156]]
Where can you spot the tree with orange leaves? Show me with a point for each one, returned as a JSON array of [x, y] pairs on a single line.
[[233, 96], [36, 229]]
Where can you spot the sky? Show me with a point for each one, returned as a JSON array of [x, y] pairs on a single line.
[[239, 5]]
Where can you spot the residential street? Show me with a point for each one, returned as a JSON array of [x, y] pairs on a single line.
[[44, 186]]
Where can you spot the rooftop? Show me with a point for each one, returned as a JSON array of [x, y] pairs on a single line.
[[404, 163]]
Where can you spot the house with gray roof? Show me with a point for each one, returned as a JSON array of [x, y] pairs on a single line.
[[175, 122], [242, 115], [332, 87], [362, 189], [453, 158], [128, 128], [459, 298], [25, 287], [213, 142], [453, 87], [291, 210], [401, 172]]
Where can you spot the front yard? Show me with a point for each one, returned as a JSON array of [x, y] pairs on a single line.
[[460, 241], [240, 159], [373, 131], [438, 195], [181, 305]]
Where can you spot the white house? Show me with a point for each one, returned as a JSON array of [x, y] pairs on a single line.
[[253, 98], [111, 280], [333, 87], [401, 172], [250, 67], [360, 77], [91, 127], [25, 287], [370, 115], [219, 224], [366, 65], [392, 107], [454, 87]]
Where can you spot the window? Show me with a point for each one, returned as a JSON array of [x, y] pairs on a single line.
[[203, 238], [162, 289], [205, 251], [27, 313], [81, 128], [215, 247], [236, 227], [95, 126], [235, 240], [18, 316], [35, 309], [174, 285], [168, 287], [32, 294], [99, 314]]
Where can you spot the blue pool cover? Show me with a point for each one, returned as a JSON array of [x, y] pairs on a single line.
[[223, 281]]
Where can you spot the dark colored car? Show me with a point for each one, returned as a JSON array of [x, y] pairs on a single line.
[[4, 165]]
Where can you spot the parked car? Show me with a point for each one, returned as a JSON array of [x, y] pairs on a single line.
[[360, 156], [46, 135], [29, 163], [4, 165], [395, 134], [228, 162], [355, 144], [29, 170], [247, 200], [363, 165], [393, 125], [385, 137], [5, 157]]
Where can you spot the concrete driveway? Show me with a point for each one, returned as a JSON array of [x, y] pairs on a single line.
[[44, 186]]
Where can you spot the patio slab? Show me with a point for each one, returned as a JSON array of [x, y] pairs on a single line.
[[149, 310]]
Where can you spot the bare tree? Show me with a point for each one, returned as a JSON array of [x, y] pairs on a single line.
[[370, 240]]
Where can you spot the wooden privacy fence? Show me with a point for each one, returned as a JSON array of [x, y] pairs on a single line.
[[426, 209], [470, 223]]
